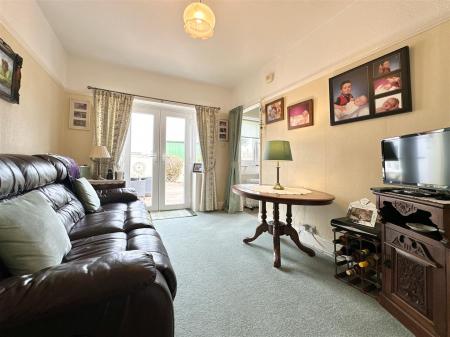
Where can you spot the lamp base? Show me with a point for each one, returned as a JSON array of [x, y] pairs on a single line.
[[278, 186]]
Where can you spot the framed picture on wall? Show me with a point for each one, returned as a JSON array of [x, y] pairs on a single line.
[[274, 111], [223, 130], [377, 88], [79, 118], [300, 114], [10, 73]]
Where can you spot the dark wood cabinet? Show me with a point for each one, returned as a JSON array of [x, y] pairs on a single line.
[[416, 277]]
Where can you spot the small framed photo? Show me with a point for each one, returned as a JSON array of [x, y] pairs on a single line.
[[387, 84], [391, 103], [300, 114], [363, 212], [10, 73], [198, 168], [349, 96], [274, 111], [387, 64], [79, 118], [223, 130]]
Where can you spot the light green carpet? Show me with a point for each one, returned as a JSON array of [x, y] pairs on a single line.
[[229, 289]]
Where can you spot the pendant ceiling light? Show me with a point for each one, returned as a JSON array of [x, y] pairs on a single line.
[[199, 21]]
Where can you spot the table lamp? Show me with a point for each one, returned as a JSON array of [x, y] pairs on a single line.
[[98, 153], [278, 150]]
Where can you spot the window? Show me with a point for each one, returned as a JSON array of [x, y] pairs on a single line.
[[250, 143]]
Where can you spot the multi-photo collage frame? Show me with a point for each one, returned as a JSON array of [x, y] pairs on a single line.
[[378, 88]]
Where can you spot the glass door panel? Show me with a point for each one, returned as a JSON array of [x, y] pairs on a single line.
[[175, 161], [160, 154], [143, 155]]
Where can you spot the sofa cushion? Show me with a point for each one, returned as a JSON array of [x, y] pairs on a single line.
[[65, 203], [87, 195], [97, 246], [97, 224], [31, 235]]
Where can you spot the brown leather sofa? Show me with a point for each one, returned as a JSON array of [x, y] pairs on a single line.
[[116, 281]]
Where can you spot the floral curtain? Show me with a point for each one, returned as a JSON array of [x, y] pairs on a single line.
[[112, 119], [206, 123], [232, 201]]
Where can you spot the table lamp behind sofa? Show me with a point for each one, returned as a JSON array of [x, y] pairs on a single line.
[[97, 154]]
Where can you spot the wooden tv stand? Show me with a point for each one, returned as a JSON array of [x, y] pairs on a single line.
[[416, 266]]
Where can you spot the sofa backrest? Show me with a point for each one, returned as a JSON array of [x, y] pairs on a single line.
[[49, 174]]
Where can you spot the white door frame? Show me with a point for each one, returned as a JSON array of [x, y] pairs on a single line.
[[188, 116], [160, 113]]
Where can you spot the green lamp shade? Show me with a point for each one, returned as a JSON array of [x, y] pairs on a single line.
[[277, 150]]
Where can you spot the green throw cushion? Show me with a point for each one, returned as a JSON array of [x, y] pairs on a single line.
[[87, 195], [32, 237]]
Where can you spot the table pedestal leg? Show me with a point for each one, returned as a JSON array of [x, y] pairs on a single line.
[[289, 230], [263, 227], [276, 236]]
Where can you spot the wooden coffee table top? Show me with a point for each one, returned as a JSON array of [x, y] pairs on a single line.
[[313, 198]]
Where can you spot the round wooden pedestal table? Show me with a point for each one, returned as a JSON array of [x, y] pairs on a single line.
[[277, 228]]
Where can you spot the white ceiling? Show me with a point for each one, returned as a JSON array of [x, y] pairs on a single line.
[[149, 34]]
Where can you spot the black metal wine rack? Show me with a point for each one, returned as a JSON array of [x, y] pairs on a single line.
[[367, 280]]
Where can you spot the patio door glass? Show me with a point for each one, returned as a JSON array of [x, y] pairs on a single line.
[[161, 154]]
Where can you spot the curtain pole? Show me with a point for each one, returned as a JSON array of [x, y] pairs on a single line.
[[161, 100]]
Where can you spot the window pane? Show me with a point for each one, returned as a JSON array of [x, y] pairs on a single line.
[[142, 154], [175, 160]]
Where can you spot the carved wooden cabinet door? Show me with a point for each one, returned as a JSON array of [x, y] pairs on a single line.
[[414, 276]]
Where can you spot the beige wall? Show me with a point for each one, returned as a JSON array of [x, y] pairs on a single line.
[[345, 160], [33, 126]]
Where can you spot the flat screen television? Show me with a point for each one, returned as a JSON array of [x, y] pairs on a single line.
[[421, 159]]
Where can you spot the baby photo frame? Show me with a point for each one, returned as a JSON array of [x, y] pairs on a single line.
[[378, 88]]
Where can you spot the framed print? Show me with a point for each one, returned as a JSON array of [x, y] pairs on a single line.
[[274, 111], [198, 168], [363, 212], [377, 88], [387, 64], [223, 130], [387, 84], [300, 115], [389, 103], [10, 73], [349, 93], [79, 118]]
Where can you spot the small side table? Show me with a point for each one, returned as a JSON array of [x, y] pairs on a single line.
[[105, 184]]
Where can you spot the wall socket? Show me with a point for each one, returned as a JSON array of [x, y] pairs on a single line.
[[308, 228]]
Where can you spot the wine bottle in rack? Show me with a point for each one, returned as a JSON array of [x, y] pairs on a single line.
[[368, 262], [342, 240], [353, 271], [348, 249]]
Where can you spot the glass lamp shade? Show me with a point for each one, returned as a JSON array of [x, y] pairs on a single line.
[[277, 150], [199, 21], [99, 152]]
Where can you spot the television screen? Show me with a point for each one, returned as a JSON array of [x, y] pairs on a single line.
[[419, 159]]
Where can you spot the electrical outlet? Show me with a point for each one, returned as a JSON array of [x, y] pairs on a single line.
[[308, 228]]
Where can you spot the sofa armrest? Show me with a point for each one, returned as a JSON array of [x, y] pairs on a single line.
[[53, 290], [117, 195]]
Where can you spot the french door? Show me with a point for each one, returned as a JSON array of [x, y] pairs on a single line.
[[161, 154]]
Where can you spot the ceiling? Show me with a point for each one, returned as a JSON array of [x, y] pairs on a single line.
[[149, 35]]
